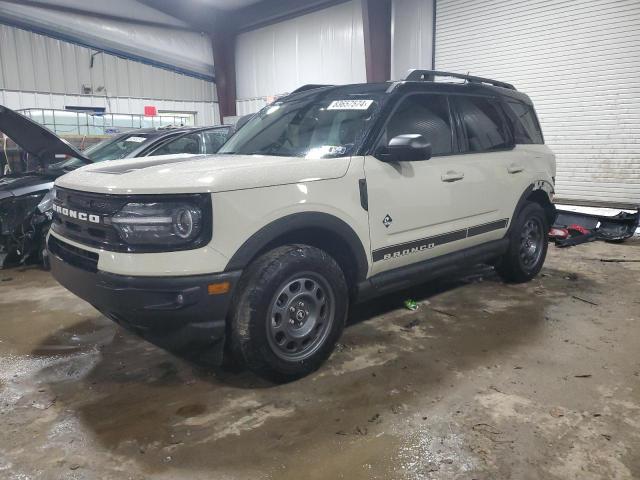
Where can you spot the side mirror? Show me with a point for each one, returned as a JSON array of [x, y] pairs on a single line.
[[411, 147]]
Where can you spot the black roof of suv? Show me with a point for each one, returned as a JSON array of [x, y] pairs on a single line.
[[418, 81]]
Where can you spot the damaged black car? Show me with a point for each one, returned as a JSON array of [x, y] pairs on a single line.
[[25, 198]]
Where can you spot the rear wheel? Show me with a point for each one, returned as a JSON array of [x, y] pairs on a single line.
[[528, 246], [289, 313]]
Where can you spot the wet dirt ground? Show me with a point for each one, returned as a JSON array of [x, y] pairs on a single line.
[[483, 381]]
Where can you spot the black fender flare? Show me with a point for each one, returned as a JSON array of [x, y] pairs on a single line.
[[296, 222], [542, 185]]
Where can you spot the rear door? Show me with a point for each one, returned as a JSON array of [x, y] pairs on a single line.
[[487, 141]]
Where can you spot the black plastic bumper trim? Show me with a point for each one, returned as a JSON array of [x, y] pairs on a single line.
[[169, 311]]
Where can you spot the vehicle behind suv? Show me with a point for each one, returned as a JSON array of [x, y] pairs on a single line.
[[147, 142], [329, 196]]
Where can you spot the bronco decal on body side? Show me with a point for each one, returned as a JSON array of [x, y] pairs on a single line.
[[423, 244]]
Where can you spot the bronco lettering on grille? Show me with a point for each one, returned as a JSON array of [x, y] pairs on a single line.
[[84, 216]]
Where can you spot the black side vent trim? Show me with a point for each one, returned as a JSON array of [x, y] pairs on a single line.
[[364, 196]]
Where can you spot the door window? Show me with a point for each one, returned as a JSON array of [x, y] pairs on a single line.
[[427, 115], [185, 144], [483, 124]]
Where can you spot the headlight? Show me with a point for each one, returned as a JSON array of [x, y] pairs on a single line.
[[161, 223]]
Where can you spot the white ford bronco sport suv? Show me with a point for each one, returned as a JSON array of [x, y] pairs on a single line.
[[330, 195]]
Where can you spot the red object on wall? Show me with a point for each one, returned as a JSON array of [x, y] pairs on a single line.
[[150, 111]]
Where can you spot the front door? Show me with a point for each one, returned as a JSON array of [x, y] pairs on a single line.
[[422, 209]]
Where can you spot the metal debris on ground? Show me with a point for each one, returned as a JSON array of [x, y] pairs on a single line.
[[584, 300], [443, 312], [619, 260], [573, 228]]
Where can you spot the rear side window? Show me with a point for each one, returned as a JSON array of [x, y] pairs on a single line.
[[483, 124], [427, 115], [524, 122], [185, 144], [213, 139]]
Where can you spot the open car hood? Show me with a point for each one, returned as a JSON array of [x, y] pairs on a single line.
[[34, 138]]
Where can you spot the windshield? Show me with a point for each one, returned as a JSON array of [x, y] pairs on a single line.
[[115, 148], [313, 128]]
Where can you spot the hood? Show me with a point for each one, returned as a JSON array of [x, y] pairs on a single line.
[[34, 138], [16, 185], [189, 174]]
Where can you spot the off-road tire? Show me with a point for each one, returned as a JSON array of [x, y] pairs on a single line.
[[253, 323], [511, 266]]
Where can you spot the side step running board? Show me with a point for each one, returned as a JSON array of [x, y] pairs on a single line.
[[417, 273]]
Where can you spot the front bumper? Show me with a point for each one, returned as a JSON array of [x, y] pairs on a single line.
[[174, 312]]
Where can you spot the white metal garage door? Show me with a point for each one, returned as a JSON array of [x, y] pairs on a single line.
[[580, 63]]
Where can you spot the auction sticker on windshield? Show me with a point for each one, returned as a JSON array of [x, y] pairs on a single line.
[[135, 139], [350, 105]]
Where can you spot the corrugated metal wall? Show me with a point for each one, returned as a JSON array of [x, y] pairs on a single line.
[[326, 46], [35, 63], [411, 36], [39, 71], [579, 61]]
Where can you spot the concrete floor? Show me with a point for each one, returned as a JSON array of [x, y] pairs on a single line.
[[484, 381]]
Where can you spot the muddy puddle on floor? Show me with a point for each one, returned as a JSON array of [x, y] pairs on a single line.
[[461, 388]]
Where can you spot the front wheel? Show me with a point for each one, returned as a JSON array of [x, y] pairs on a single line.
[[528, 246], [290, 312]]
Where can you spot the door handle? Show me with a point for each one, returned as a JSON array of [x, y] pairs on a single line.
[[452, 176], [515, 168]]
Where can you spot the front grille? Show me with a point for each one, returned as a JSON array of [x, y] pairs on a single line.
[[73, 255], [85, 217], [100, 235]]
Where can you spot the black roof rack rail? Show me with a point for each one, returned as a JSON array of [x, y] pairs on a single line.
[[310, 86], [430, 75]]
